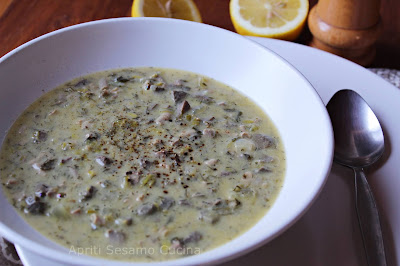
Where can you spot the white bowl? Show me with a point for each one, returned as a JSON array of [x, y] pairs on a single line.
[[285, 95]]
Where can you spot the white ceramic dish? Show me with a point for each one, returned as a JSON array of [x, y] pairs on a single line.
[[270, 81]]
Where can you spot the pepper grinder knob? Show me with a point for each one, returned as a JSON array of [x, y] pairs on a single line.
[[348, 28]]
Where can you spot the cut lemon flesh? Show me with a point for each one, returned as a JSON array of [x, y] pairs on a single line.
[[180, 9], [283, 19]]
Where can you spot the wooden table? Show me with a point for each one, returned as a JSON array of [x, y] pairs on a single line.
[[23, 20]]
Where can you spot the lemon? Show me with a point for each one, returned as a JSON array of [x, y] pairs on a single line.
[[181, 9], [281, 19]]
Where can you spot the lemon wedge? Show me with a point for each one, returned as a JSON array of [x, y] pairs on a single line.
[[281, 19], [180, 9]]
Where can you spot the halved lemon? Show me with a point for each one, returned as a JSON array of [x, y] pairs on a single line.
[[180, 9], [281, 19]]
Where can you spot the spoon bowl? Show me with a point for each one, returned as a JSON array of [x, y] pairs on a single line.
[[359, 139]]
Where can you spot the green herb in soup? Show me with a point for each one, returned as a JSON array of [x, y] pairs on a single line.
[[142, 164]]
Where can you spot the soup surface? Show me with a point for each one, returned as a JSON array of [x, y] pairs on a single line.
[[142, 164]]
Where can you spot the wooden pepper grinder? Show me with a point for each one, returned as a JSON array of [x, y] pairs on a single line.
[[348, 28]]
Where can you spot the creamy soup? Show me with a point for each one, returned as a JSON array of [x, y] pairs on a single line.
[[142, 164]]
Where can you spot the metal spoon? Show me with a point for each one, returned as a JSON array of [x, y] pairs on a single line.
[[359, 142]]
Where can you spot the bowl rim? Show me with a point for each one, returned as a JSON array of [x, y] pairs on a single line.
[[56, 255]]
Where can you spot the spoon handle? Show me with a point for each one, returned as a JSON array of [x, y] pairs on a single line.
[[368, 218]]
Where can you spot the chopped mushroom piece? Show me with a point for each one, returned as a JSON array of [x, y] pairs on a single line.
[[102, 83], [265, 159], [228, 173], [163, 118], [132, 179], [157, 142], [224, 207], [184, 202], [157, 88], [45, 166], [247, 175], [189, 133], [126, 222], [209, 133], [36, 208], [192, 238], [178, 86], [41, 190], [177, 243], [89, 193], [160, 154], [73, 171], [208, 217], [204, 99], [146, 209], [166, 203], [81, 83], [96, 220], [76, 211], [55, 111], [176, 141], [145, 163], [163, 231], [244, 145], [52, 192], [39, 136], [11, 182], [263, 141], [116, 237], [103, 161], [246, 156], [182, 108], [211, 162], [48, 165], [178, 96], [151, 108], [92, 136], [263, 170], [104, 93], [122, 79], [65, 160], [244, 135], [198, 194]]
